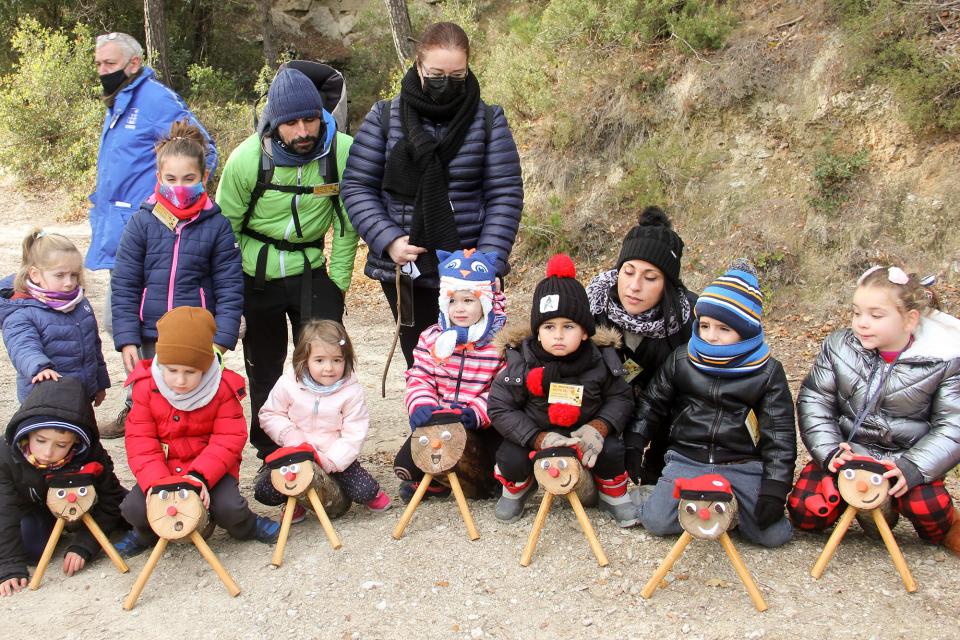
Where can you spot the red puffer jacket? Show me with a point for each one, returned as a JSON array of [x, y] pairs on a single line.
[[163, 441]]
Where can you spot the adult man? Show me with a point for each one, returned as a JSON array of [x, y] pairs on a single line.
[[140, 110], [280, 191]]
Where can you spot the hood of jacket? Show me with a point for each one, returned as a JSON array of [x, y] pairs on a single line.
[[64, 399]]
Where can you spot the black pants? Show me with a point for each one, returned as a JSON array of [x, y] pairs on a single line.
[[516, 466], [426, 310], [265, 343]]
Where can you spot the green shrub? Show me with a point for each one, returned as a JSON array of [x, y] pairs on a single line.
[[833, 174], [212, 85], [50, 116]]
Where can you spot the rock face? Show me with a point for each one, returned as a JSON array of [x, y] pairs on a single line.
[[334, 19]]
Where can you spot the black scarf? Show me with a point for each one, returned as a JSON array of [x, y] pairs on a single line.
[[556, 368], [416, 171]]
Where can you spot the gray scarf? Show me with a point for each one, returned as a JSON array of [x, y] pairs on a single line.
[[199, 397]]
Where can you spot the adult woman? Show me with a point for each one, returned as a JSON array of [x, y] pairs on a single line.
[[433, 168], [647, 302]]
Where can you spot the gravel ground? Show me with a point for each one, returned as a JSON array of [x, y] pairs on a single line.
[[435, 583]]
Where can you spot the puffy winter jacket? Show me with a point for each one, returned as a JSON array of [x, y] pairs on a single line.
[[916, 418], [162, 441], [705, 417], [38, 337], [335, 425], [157, 269], [141, 114], [485, 187], [23, 487], [520, 416]]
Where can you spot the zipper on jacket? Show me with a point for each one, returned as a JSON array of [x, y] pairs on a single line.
[[176, 258], [715, 396], [143, 301], [456, 392]]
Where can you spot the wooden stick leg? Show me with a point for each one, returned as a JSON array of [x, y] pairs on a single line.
[[324, 519], [47, 553], [414, 503], [214, 562], [277, 559], [145, 574], [462, 504], [741, 568], [105, 544], [666, 565], [895, 554], [833, 542], [587, 528], [537, 528]]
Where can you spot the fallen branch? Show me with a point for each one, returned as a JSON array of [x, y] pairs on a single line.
[[695, 52], [789, 23]]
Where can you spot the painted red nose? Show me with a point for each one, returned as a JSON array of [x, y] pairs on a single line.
[[71, 497], [290, 477], [171, 511], [704, 514], [861, 486], [554, 473]]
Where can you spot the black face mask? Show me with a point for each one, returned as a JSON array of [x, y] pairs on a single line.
[[112, 81], [444, 90]]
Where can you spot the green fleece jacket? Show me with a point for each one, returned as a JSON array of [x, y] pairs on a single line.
[[273, 215]]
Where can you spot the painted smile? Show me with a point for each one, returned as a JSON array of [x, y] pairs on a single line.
[[871, 500], [567, 483], [289, 487], [711, 530]]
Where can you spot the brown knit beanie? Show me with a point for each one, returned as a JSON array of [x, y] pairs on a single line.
[[185, 338]]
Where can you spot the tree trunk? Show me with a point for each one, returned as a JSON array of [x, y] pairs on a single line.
[[156, 33], [266, 27], [402, 32]]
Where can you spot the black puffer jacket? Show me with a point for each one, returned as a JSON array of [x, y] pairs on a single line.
[[23, 487], [705, 417]]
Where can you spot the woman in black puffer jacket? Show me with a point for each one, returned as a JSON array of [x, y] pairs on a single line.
[[442, 172]]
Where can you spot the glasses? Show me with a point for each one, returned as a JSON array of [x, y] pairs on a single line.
[[107, 37], [437, 74]]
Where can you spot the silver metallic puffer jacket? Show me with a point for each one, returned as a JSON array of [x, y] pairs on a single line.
[[915, 420]]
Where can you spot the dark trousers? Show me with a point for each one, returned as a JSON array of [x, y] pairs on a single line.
[[228, 509], [357, 483], [265, 343], [36, 525], [515, 464], [426, 311]]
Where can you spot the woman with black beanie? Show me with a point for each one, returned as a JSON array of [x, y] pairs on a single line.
[[645, 299]]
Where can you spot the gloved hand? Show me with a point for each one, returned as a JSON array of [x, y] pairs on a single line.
[[769, 510], [467, 416], [634, 444], [422, 414], [551, 440], [591, 442]]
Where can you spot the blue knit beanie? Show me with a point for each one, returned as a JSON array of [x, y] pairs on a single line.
[[734, 299], [292, 95]]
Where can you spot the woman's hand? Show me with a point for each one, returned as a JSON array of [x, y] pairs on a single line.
[[46, 374], [73, 562], [130, 356], [12, 586], [402, 252]]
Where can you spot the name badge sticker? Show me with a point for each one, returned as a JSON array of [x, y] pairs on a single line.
[[324, 190], [633, 370], [163, 215], [571, 394]]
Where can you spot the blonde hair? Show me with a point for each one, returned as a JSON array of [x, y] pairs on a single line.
[[326, 331], [184, 139], [39, 249], [913, 295]]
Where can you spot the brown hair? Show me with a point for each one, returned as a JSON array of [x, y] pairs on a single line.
[[39, 248], [911, 296], [443, 35], [328, 332], [184, 139]]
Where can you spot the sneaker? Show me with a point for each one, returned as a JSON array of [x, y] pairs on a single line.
[[409, 487], [622, 509], [130, 545], [116, 428], [299, 513], [510, 505], [380, 503], [267, 530]]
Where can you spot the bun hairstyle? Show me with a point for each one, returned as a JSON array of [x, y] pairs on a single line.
[[654, 216], [910, 292], [39, 250], [653, 240], [184, 139]]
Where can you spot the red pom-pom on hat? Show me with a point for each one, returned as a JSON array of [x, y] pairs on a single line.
[[563, 415], [535, 381], [561, 266]]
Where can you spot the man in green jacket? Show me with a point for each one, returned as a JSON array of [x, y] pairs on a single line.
[[280, 190]]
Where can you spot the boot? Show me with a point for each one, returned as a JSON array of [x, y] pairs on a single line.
[[510, 505], [615, 501], [116, 428], [952, 540]]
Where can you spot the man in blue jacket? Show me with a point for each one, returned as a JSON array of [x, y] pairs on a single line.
[[140, 110]]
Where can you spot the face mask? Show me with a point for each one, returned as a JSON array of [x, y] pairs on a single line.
[[112, 81], [444, 90], [184, 196]]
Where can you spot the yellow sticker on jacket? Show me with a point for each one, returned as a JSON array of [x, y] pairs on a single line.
[[163, 215], [166, 449], [566, 394], [325, 190], [753, 427], [633, 370]]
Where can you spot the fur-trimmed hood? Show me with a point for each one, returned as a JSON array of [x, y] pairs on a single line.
[[514, 333]]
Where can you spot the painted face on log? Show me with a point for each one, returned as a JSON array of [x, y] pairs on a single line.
[[861, 483], [293, 479], [175, 511], [437, 448], [557, 474], [71, 502], [706, 520]]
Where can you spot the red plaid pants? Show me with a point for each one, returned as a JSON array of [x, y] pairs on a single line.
[[927, 506]]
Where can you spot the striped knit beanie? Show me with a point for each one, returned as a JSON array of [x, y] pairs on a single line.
[[734, 299]]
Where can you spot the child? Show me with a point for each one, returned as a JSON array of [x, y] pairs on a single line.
[[560, 389], [54, 431], [48, 325], [320, 402], [187, 420], [455, 363], [888, 387], [177, 250], [726, 408]]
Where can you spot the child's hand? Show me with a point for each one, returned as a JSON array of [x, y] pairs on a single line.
[[900, 486], [73, 562], [130, 356], [844, 455], [12, 586], [99, 397], [421, 415], [204, 494], [46, 374]]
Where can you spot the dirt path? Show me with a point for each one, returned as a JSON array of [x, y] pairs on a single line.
[[435, 583]]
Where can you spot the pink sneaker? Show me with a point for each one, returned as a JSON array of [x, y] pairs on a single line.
[[299, 513], [380, 503]]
